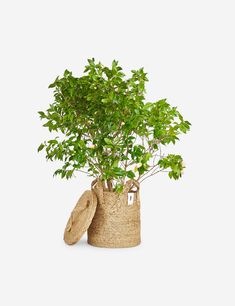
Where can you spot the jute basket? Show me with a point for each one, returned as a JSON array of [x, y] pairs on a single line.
[[115, 224]]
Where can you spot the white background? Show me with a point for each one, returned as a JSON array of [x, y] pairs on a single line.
[[188, 231]]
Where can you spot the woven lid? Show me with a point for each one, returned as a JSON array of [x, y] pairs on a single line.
[[81, 217]]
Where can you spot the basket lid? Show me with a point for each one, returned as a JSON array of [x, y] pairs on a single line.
[[81, 217]]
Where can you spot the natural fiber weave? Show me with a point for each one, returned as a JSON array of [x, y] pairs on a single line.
[[115, 224], [80, 217]]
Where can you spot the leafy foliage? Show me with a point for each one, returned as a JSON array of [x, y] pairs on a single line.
[[106, 129]]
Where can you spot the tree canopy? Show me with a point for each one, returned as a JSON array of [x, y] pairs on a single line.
[[106, 129]]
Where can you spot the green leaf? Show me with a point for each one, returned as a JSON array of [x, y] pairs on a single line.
[[40, 148], [115, 163], [130, 174], [91, 61], [108, 141], [119, 171], [69, 174], [114, 64], [42, 115], [57, 172], [53, 141], [119, 188]]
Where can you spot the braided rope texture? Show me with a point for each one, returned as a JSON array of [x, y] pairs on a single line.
[[115, 224]]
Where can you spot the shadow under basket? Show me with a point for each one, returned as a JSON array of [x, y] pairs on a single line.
[[116, 223]]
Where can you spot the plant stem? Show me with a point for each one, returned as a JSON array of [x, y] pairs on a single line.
[[110, 185]]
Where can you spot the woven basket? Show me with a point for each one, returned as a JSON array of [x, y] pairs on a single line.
[[116, 223]]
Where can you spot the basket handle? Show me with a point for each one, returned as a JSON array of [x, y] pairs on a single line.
[[97, 187], [129, 186], [93, 183]]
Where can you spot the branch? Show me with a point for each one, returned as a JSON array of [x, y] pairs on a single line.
[[82, 171], [150, 169], [153, 167], [155, 172]]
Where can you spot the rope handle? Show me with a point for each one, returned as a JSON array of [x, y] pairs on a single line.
[[93, 183], [97, 187], [129, 186]]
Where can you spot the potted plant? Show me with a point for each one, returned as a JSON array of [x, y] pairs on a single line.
[[106, 129]]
